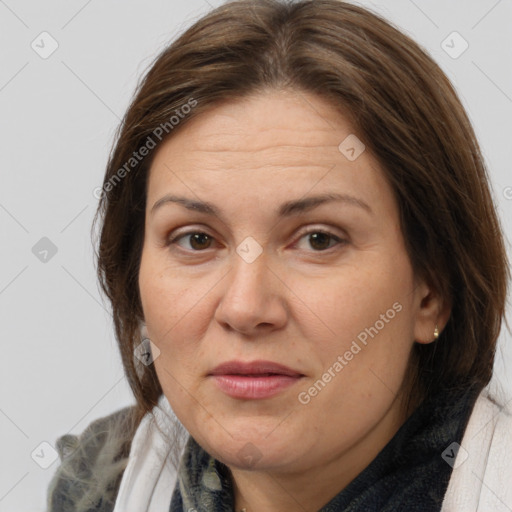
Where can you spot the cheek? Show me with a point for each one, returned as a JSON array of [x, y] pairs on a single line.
[[169, 298], [346, 303], [365, 317], [360, 368], [177, 314]]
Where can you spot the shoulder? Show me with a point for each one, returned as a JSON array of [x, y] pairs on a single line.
[[92, 464], [482, 469]]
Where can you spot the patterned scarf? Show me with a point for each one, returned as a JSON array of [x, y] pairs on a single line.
[[410, 473]]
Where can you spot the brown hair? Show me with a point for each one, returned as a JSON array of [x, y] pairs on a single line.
[[405, 111]]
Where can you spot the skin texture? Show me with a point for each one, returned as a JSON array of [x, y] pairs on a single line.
[[300, 303]]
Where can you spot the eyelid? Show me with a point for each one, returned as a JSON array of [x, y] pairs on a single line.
[[340, 239], [319, 229], [171, 240]]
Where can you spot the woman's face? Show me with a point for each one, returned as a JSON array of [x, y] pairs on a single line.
[[269, 273]]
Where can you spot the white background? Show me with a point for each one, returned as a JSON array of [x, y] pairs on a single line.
[[60, 368]]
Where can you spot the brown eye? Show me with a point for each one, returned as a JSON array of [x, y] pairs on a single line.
[[200, 241], [321, 240], [197, 240]]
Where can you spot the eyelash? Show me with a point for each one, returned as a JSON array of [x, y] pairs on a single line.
[[340, 241]]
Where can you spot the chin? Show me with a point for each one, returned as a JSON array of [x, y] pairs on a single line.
[[254, 451]]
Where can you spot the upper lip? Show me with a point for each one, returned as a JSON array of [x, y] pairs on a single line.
[[253, 368]]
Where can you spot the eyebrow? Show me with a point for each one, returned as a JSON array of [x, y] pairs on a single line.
[[288, 209]]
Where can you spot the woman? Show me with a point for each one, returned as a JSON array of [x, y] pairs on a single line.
[[305, 266]]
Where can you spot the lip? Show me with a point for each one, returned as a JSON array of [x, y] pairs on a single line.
[[255, 379], [253, 368]]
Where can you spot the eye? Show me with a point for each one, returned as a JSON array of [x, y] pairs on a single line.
[[321, 240], [198, 240]]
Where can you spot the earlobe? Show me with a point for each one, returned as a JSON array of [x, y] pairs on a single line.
[[432, 316], [143, 330], [434, 337]]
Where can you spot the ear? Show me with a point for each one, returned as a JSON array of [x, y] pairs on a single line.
[[143, 330], [431, 310]]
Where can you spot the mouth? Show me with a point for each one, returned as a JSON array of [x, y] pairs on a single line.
[[254, 380]]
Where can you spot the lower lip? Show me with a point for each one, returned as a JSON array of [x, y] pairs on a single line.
[[239, 386]]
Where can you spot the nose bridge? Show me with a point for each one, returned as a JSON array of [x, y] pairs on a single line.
[[248, 281], [250, 297]]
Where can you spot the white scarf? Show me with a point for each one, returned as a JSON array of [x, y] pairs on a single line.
[[481, 483], [149, 478]]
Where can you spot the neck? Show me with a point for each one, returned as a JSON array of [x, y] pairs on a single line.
[[310, 488]]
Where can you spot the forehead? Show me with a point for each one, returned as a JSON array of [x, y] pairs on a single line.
[[275, 139], [265, 120]]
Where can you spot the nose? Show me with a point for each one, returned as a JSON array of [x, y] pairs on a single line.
[[253, 298]]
